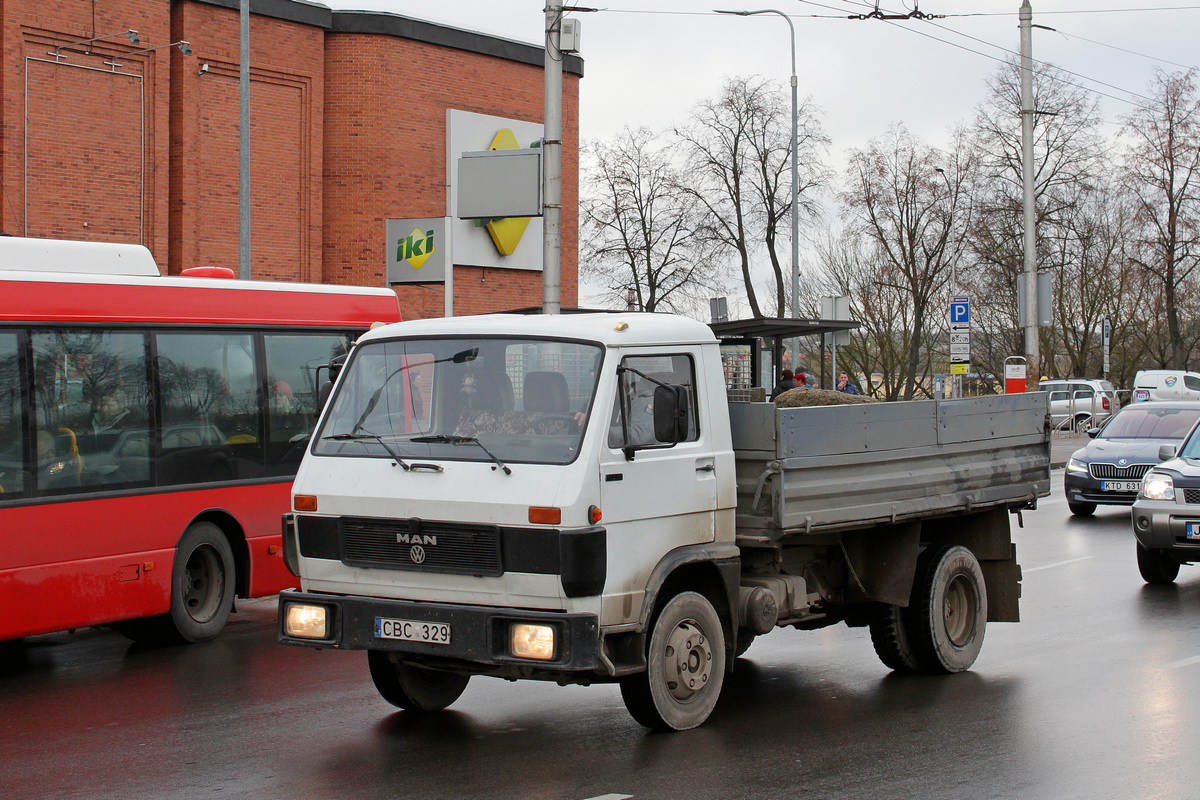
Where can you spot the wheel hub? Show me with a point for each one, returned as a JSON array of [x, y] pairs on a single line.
[[688, 660], [959, 612]]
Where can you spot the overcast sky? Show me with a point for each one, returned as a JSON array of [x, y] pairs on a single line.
[[648, 62]]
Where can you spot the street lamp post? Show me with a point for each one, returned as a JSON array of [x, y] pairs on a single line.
[[955, 380], [795, 178]]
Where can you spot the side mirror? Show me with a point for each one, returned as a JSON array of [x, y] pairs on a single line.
[[670, 414], [335, 369], [1166, 452], [1091, 432]]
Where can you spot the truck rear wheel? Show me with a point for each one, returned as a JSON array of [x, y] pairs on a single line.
[[414, 688], [947, 614], [685, 666], [889, 634], [1157, 566]]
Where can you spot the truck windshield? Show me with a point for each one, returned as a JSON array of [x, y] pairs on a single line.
[[509, 400]]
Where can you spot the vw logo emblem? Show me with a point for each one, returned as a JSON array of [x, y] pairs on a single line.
[[417, 554]]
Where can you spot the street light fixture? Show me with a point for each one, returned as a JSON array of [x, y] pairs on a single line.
[[130, 34], [184, 47], [795, 174]]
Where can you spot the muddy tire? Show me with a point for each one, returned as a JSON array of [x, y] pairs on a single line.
[[685, 667], [414, 688], [890, 636], [947, 615]]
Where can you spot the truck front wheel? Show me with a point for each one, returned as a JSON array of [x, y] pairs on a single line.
[[685, 667], [414, 688], [947, 614]]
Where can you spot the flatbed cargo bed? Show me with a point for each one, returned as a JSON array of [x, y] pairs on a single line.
[[804, 471]]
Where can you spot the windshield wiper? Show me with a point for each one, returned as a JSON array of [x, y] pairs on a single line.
[[461, 440], [353, 437]]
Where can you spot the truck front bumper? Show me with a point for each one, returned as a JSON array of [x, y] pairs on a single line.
[[474, 635]]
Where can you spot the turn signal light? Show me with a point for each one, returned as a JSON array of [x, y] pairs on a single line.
[[594, 515], [305, 502], [543, 515]]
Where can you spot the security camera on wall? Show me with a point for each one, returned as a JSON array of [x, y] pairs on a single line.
[[203, 69]]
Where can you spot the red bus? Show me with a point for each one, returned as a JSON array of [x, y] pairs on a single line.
[[150, 428]]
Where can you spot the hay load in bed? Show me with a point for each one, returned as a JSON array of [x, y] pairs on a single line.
[[798, 398]]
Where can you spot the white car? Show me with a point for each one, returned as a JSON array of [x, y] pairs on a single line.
[[1080, 403], [1165, 384]]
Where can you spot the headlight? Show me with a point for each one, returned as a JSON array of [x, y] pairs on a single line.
[[306, 622], [1075, 465], [533, 641], [1157, 486]]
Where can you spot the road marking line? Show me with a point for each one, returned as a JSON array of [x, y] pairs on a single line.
[[1056, 564], [611, 797], [1187, 662]]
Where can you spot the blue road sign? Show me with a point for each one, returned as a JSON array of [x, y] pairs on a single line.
[[960, 311]]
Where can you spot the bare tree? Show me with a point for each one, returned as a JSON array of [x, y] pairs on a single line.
[[739, 156], [640, 225], [1067, 164], [1161, 173], [913, 202]]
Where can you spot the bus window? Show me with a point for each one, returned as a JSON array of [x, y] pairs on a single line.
[[208, 390], [91, 409], [12, 456], [292, 387]]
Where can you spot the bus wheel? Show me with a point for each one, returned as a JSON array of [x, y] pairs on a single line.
[[889, 635], [202, 583], [685, 667], [414, 688], [947, 614]]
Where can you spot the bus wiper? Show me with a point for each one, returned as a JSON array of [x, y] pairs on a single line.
[[352, 437], [461, 440]]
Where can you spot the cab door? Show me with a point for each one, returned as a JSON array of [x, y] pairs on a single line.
[[655, 496]]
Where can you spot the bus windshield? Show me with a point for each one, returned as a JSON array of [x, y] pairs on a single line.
[[505, 400]]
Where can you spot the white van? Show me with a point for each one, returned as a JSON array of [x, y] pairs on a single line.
[[1165, 384]]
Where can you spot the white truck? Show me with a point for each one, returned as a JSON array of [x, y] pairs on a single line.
[[573, 498]]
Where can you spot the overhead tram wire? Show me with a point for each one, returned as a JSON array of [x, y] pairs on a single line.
[[1003, 49]]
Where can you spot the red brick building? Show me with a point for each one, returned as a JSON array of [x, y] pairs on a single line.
[[112, 141]]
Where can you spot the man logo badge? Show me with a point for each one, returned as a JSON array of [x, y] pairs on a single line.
[[417, 554]]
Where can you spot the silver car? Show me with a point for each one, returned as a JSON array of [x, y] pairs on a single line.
[[1166, 513], [1080, 403]]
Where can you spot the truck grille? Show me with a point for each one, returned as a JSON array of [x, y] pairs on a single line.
[[1133, 471], [421, 545]]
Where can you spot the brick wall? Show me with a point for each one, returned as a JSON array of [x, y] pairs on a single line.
[[347, 130]]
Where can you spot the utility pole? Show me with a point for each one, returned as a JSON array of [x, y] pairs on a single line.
[[552, 164], [1029, 276], [244, 144]]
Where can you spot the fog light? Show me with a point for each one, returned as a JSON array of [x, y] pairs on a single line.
[[533, 641], [306, 622]]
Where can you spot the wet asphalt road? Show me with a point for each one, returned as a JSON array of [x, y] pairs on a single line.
[[1096, 694]]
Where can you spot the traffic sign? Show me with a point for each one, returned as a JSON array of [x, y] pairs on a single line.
[[960, 311]]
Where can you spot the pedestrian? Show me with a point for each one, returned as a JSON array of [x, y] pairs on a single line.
[[844, 385], [786, 381]]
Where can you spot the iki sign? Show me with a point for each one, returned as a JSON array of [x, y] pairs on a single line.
[[416, 250]]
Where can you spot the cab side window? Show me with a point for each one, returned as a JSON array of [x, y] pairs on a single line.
[[635, 393]]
